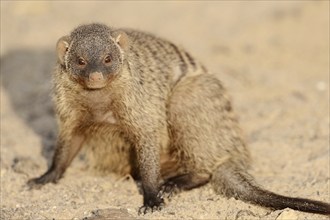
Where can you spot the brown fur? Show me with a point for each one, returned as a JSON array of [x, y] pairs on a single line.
[[154, 112]]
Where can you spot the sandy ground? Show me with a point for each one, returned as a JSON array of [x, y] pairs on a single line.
[[272, 56]]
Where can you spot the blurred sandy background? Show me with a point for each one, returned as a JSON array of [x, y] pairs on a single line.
[[272, 56]]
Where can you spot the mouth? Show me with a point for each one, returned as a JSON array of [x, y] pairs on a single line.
[[95, 85]]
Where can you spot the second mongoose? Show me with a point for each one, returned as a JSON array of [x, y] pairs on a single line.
[[159, 115]]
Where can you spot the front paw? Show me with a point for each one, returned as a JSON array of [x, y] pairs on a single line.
[[49, 177], [151, 204]]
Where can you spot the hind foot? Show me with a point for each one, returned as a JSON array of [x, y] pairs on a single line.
[[187, 181]]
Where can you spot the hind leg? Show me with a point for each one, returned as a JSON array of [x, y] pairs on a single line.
[[203, 130], [177, 177]]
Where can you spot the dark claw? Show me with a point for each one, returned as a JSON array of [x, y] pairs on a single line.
[[145, 209], [151, 204]]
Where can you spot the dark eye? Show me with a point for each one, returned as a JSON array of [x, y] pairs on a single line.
[[81, 61], [107, 59]]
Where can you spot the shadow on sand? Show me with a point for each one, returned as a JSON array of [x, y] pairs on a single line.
[[26, 77]]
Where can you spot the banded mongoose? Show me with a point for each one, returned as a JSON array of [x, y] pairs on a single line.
[[162, 116]]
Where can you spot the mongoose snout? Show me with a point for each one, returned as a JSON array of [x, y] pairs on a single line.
[[96, 80], [96, 77]]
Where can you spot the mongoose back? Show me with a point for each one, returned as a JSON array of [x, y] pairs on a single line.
[[162, 117]]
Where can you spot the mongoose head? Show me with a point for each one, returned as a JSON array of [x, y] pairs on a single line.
[[92, 54]]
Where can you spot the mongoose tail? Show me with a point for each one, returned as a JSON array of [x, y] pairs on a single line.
[[233, 181]]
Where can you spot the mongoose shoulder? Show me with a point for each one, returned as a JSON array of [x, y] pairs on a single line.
[[161, 115]]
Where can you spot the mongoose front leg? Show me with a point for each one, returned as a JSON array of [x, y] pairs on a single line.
[[148, 157], [66, 150]]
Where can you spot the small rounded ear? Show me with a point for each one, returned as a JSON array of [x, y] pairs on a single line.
[[62, 47], [121, 39]]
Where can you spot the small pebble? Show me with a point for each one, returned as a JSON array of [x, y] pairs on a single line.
[[287, 215]]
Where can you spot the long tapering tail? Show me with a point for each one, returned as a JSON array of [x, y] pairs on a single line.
[[232, 181]]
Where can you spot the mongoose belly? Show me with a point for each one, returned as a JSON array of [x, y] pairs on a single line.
[[108, 151]]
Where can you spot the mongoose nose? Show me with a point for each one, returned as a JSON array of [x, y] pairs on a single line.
[[96, 76]]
